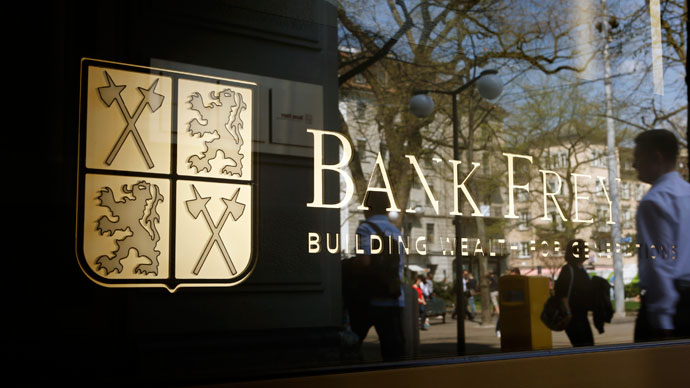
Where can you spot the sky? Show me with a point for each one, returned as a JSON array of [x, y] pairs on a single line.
[[631, 50]]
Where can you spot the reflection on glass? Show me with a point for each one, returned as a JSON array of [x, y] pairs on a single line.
[[552, 115]]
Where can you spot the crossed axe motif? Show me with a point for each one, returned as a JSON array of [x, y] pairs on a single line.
[[111, 93], [197, 206]]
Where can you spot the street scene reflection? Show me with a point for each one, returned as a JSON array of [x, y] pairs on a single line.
[[511, 140]]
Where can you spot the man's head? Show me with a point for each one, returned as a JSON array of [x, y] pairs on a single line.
[[377, 202], [515, 271], [656, 152]]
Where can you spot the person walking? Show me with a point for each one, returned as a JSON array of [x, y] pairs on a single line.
[[384, 309], [426, 292], [493, 292], [574, 289], [471, 292], [663, 228], [417, 286]]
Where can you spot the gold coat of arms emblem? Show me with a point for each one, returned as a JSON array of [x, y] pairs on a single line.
[[167, 175]]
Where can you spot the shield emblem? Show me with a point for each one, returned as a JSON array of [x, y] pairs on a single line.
[[167, 175]]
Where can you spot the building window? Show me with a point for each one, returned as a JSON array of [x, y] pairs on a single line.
[[627, 218], [627, 165], [430, 232], [382, 77], [559, 160], [524, 249], [639, 191], [598, 188], [598, 159], [524, 221], [359, 79], [602, 218], [625, 190]]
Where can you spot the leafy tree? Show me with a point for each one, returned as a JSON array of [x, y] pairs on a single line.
[[440, 46]]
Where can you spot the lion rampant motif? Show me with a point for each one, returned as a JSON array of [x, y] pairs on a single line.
[[222, 117], [137, 214]]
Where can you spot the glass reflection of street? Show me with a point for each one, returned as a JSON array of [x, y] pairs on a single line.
[[440, 339]]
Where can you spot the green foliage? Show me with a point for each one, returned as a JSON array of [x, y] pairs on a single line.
[[632, 289], [630, 305], [445, 291]]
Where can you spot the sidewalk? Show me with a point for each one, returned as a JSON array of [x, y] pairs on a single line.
[[440, 340]]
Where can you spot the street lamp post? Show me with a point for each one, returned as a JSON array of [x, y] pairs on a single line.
[[421, 105]]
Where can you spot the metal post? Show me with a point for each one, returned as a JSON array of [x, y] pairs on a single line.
[[619, 292], [460, 297]]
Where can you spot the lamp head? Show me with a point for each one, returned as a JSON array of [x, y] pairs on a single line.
[[421, 105], [489, 84]]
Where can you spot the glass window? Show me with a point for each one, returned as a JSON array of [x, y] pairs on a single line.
[[430, 232], [561, 65], [524, 249], [598, 159], [625, 190], [469, 134], [524, 221]]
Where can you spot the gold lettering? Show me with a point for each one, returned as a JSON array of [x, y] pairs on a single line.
[[552, 195], [314, 243], [463, 247], [406, 248], [456, 211], [502, 246], [319, 168], [511, 183], [449, 246], [577, 197], [427, 190], [423, 251], [328, 243], [544, 248], [606, 194], [393, 206], [379, 249], [478, 248]]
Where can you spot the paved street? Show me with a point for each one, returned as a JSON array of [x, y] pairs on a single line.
[[440, 340]]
